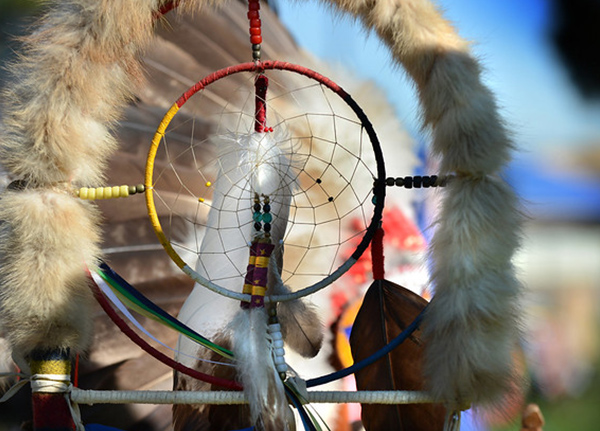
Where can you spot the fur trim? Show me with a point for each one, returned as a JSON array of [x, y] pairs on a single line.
[[472, 326], [46, 239], [473, 322], [74, 74]]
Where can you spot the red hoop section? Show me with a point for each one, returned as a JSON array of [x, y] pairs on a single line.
[[260, 67]]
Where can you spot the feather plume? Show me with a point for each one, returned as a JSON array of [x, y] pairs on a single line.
[[249, 165], [254, 362]]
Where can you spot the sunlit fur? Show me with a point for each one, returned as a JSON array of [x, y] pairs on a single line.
[[46, 240], [75, 72]]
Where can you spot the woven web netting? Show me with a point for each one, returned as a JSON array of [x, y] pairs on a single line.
[[330, 176]]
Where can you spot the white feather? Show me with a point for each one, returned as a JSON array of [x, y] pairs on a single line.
[[248, 165]]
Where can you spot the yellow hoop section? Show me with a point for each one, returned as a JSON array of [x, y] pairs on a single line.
[[158, 136]]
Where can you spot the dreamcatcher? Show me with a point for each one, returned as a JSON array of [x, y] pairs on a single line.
[[263, 205], [281, 178]]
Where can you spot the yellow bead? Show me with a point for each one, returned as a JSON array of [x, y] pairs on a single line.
[[124, 191], [200, 199], [107, 192], [208, 184], [115, 191], [83, 193], [92, 194], [100, 193]]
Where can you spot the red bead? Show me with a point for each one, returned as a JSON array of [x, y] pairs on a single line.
[[255, 40], [255, 31], [255, 22], [254, 6], [253, 14]]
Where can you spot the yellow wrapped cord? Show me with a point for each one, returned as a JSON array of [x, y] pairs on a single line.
[[158, 136]]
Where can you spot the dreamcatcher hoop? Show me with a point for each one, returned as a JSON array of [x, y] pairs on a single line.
[[260, 67]]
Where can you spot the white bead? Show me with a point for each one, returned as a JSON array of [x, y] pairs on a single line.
[[274, 327]]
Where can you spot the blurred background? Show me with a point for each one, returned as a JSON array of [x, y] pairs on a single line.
[[542, 59]]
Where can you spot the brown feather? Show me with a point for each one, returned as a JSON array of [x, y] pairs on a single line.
[[201, 418], [387, 310]]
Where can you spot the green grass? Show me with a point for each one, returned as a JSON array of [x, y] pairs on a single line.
[[569, 414]]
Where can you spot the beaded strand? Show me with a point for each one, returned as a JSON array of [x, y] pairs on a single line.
[[262, 216], [255, 28], [418, 181], [274, 330]]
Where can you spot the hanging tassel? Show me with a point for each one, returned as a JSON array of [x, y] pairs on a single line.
[[263, 387], [253, 191], [252, 344]]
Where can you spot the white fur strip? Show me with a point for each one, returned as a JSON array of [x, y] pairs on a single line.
[[472, 323]]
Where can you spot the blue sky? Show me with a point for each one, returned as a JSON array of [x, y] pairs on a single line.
[[511, 38]]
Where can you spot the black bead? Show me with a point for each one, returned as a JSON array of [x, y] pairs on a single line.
[[256, 207], [408, 182], [417, 181], [389, 181], [258, 226], [399, 182], [267, 227], [266, 208]]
